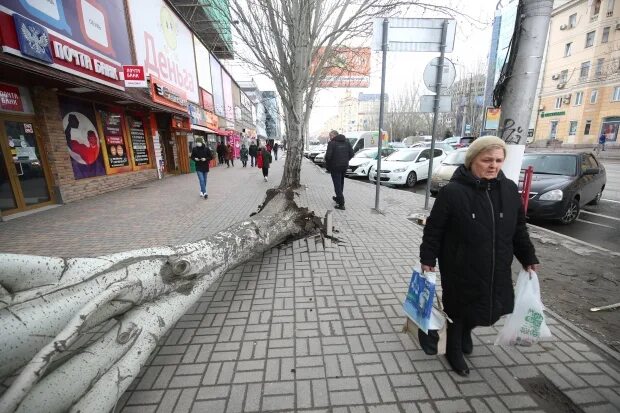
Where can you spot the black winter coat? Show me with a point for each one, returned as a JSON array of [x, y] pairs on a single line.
[[339, 153], [475, 227], [198, 153], [253, 151]]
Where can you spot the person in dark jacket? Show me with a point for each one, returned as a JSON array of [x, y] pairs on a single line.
[[229, 155], [264, 161], [201, 154], [221, 151], [475, 227], [253, 151], [243, 155], [339, 153], [275, 150]]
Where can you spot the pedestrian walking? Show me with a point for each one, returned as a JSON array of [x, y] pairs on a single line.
[[243, 154], [275, 151], [230, 156], [201, 154], [253, 151], [601, 142], [475, 227], [221, 152], [264, 161], [339, 153]]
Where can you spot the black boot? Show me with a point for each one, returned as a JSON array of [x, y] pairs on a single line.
[[454, 349], [467, 344]]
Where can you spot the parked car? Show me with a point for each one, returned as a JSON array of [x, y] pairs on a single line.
[[563, 183], [315, 151], [320, 159], [443, 173], [310, 149], [452, 141], [407, 166], [464, 142], [439, 145], [360, 164]]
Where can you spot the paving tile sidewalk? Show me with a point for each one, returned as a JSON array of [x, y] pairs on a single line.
[[309, 326]]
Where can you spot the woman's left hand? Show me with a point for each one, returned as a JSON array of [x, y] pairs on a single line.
[[533, 267]]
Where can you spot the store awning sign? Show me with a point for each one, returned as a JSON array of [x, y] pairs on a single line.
[[134, 76], [33, 39], [10, 98], [550, 114], [168, 95]]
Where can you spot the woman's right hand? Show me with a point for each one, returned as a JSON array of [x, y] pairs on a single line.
[[427, 268]]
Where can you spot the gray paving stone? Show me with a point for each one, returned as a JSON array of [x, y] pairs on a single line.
[[278, 403], [215, 406], [584, 396], [166, 405], [213, 392], [453, 406], [236, 399], [518, 401], [347, 398], [145, 397], [411, 393], [253, 397]]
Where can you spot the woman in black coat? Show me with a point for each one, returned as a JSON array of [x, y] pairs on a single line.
[[476, 226]]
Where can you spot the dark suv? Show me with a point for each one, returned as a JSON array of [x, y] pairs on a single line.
[[562, 183]]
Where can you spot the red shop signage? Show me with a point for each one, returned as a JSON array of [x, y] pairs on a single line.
[[10, 99]]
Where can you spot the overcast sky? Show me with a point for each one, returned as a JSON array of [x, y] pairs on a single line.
[[471, 48]]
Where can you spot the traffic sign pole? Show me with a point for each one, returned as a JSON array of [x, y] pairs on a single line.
[[384, 48]]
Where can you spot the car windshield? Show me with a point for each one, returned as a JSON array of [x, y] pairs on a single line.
[[403, 156], [352, 141], [551, 164], [366, 154], [455, 158]]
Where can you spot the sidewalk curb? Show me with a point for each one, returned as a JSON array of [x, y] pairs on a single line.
[[568, 237], [588, 337]]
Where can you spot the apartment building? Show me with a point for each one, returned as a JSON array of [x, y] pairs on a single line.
[[580, 92]]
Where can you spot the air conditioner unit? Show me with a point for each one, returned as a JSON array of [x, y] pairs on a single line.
[[541, 107], [561, 85], [555, 77], [566, 98], [564, 27]]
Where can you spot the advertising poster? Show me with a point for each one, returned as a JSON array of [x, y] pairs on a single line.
[[207, 100], [229, 104], [138, 140], [82, 136], [347, 67], [97, 24], [164, 45], [218, 91], [113, 138], [203, 65], [492, 118]]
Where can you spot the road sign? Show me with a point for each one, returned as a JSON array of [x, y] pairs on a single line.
[[427, 103], [430, 74], [467, 129], [414, 35]]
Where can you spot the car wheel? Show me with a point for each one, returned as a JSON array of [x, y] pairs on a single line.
[[412, 179], [597, 199], [571, 213]]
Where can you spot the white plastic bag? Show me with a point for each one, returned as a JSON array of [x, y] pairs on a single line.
[[526, 325]]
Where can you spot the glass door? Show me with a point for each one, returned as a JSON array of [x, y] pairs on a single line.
[[24, 165], [7, 196]]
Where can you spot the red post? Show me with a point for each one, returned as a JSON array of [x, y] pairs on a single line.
[[527, 185]]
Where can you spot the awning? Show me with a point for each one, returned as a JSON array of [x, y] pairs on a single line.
[[24, 72], [202, 128]]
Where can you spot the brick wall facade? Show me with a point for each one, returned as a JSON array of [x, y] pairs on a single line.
[[65, 187]]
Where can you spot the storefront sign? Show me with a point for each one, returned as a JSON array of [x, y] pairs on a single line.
[[134, 76], [168, 95], [197, 115], [346, 67], [218, 91], [491, 121], [164, 45], [114, 141], [10, 99], [550, 114], [83, 37], [138, 141], [181, 123]]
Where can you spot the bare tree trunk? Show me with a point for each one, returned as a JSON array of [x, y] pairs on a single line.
[[146, 290]]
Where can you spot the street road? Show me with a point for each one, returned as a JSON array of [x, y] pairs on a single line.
[[597, 224]]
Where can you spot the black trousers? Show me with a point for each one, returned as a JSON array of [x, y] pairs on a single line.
[[252, 160], [265, 171], [338, 180], [220, 159]]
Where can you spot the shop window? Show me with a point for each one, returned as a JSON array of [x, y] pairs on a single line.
[[590, 39], [610, 8], [596, 8], [586, 129], [616, 96], [572, 128], [598, 71]]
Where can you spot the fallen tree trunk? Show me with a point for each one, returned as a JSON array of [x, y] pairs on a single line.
[[48, 304]]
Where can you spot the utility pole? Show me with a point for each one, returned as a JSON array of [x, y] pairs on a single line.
[[532, 26]]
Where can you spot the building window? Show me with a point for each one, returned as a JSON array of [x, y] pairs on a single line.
[[568, 49], [590, 39], [564, 76], [610, 8], [596, 8], [593, 96], [605, 36], [572, 128], [598, 71], [616, 96], [585, 71], [586, 129], [572, 20], [558, 103], [578, 98]]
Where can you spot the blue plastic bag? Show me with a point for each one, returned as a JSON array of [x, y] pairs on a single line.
[[418, 304]]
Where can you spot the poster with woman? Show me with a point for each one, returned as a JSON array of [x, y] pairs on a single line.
[[83, 143]]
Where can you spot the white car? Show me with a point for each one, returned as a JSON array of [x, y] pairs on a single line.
[[407, 166], [363, 160]]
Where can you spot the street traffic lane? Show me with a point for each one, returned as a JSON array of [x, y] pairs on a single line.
[[612, 188]]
